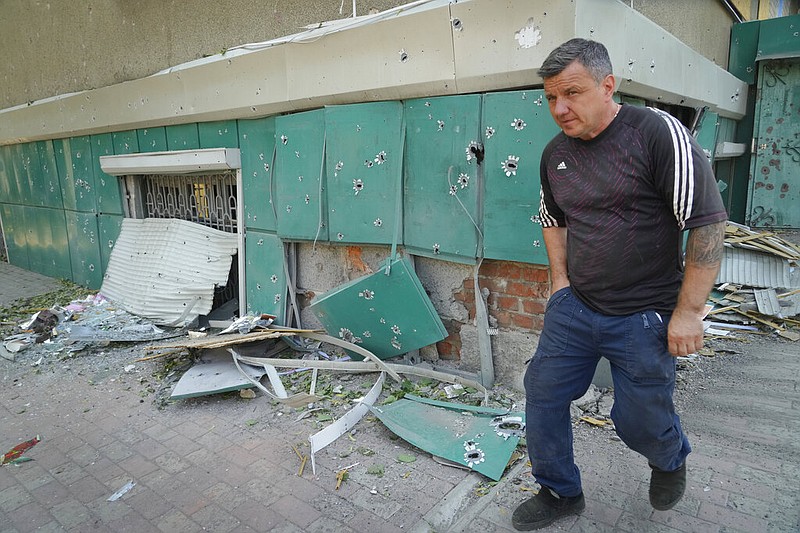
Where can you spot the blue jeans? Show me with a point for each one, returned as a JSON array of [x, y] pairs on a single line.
[[573, 340]]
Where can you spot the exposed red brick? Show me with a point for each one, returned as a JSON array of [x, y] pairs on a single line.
[[504, 319], [522, 321], [534, 273], [494, 284], [523, 290], [469, 283], [534, 307], [501, 269], [509, 303]]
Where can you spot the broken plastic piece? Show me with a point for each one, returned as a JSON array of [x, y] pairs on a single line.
[[122, 491], [341, 426], [18, 450]]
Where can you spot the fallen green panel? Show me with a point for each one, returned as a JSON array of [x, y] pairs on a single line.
[[49, 174], [257, 146], [183, 137], [125, 142], [109, 227], [152, 139], [15, 234], [517, 127], [218, 134], [266, 285], [109, 194], [300, 204], [388, 315], [364, 163], [84, 249], [442, 177], [464, 434], [75, 173]]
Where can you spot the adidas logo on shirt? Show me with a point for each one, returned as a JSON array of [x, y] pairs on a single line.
[[561, 166]]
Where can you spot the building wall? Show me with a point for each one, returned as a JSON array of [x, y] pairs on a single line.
[[59, 46], [107, 43]]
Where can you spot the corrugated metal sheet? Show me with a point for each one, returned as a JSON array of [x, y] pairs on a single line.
[[166, 269], [756, 269]]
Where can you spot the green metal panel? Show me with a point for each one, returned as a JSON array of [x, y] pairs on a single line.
[[775, 192], [152, 139], [218, 134], [257, 145], [21, 174], [388, 315], [706, 133], [518, 126], [266, 281], [300, 202], [364, 160], [15, 234], [464, 434], [84, 249], [442, 177], [33, 168], [744, 47], [48, 245], [183, 137], [9, 192], [58, 255], [109, 227], [125, 142], [75, 173], [108, 195], [778, 38], [49, 174]]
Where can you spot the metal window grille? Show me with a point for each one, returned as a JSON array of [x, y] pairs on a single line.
[[206, 199]]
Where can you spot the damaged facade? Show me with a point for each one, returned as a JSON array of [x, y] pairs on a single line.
[[424, 145]]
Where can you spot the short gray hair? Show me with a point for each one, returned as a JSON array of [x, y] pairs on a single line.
[[590, 54]]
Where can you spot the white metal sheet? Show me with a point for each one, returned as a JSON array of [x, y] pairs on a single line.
[[167, 269], [756, 269]]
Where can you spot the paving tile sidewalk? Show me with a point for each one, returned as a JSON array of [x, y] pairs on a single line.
[[225, 464]]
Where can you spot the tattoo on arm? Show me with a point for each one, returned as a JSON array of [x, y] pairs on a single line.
[[704, 245]]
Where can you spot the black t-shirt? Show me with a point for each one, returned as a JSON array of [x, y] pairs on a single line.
[[625, 197]]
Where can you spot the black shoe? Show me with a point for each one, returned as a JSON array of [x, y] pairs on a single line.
[[666, 488], [544, 508]]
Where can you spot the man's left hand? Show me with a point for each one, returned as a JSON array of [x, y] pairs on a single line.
[[685, 333]]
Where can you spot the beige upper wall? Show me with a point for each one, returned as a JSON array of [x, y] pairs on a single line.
[[62, 46], [52, 47]]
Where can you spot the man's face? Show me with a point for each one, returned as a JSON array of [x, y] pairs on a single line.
[[579, 105]]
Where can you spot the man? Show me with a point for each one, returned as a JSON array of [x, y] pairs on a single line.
[[619, 185]]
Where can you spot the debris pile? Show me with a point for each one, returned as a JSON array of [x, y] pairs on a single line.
[[758, 285]]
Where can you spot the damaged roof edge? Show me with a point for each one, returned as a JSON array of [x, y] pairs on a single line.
[[414, 53]]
